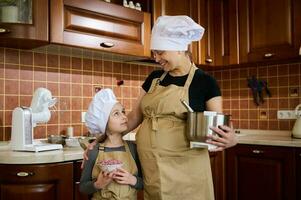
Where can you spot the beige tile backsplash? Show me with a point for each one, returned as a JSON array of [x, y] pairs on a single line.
[[72, 76]]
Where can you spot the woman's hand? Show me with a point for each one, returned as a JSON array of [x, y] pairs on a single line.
[[225, 137], [121, 176], [85, 154], [103, 179]]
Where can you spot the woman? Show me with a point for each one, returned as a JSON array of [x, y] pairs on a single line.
[[171, 170]]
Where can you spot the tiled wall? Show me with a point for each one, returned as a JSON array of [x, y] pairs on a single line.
[[284, 82], [72, 77]]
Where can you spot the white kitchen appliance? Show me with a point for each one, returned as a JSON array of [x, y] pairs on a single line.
[[24, 119], [296, 132]]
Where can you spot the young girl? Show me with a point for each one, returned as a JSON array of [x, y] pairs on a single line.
[[106, 118]]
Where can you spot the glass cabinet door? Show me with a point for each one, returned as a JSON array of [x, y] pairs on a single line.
[[16, 11], [24, 24]]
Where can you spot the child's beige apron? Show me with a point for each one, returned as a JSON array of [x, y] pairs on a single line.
[[171, 170], [115, 191]]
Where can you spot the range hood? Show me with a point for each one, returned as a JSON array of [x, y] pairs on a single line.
[[144, 61]]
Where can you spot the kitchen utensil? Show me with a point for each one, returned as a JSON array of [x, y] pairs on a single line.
[[296, 132], [253, 84], [199, 123], [24, 119], [85, 141], [72, 142], [57, 139], [189, 109]]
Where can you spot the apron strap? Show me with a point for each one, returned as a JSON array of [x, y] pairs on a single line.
[[101, 147], [190, 75]]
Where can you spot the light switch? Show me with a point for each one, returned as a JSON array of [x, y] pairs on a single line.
[[83, 117]]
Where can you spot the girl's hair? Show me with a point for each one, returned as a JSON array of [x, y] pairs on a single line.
[[101, 138]]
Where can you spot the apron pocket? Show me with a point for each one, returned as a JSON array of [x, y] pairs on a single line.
[[183, 177]]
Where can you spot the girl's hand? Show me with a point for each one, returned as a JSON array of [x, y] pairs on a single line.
[[225, 137], [103, 179], [85, 154], [121, 176]]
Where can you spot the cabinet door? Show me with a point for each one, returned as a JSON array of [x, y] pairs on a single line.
[[217, 44], [99, 25], [213, 48], [217, 168], [268, 29], [36, 182], [189, 8], [260, 172], [77, 175], [298, 172], [29, 28]]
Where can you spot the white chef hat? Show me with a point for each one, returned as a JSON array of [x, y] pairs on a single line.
[[175, 33], [99, 111]]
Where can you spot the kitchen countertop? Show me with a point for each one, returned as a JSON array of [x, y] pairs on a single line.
[[270, 138], [8, 156], [253, 137]]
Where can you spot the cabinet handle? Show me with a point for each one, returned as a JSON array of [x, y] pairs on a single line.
[[208, 60], [268, 55], [4, 30], [107, 44], [25, 174], [256, 151], [77, 182]]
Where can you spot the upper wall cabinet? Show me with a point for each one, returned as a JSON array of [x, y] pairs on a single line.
[[101, 26], [267, 29], [24, 24], [213, 16]]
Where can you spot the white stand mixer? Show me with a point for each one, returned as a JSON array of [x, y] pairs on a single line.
[[24, 119]]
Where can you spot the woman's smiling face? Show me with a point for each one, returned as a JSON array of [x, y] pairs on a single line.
[[169, 60]]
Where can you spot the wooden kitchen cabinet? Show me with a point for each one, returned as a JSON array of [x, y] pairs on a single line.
[[77, 175], [298, 173], [99, 25], [36, 182], [27, 35], [260, 172], [213, 48], [266, 29], [218, 174]]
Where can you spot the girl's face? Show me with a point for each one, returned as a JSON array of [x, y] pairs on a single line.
[[169, 60], [118, 121]]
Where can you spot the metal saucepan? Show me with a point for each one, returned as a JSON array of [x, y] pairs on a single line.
[[199, 123]]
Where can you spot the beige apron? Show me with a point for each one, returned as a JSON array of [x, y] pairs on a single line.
[[115, 191], [171, 170]]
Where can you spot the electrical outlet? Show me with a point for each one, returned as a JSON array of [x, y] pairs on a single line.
[[83, 117], [287, 114]]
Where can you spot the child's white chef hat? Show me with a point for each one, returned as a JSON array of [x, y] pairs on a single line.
[[175, 33], [99, 111]]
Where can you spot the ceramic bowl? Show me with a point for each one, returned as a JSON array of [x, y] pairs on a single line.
[[72, 142], [110, 165]]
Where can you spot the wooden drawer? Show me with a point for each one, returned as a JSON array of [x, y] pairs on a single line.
[[49, 181], [99, 25]]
